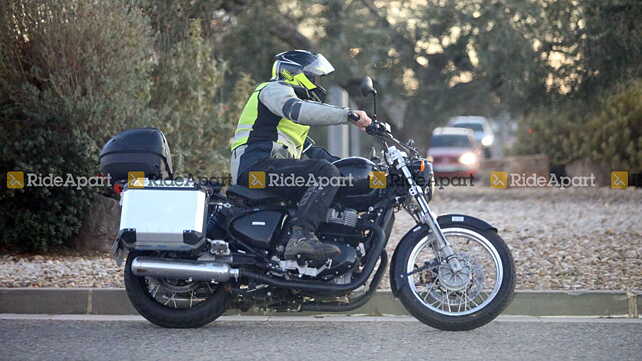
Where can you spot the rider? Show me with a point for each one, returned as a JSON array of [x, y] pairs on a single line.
[[271, 137]]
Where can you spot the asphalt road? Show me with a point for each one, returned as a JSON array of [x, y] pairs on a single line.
[[129, 338]]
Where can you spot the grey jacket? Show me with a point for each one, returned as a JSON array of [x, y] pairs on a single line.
[[280, 99]]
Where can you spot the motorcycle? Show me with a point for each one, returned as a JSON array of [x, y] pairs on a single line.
[[452, 272]]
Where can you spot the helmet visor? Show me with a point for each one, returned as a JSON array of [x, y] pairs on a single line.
[[319, 67]]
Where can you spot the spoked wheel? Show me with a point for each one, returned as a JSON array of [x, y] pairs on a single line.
[[174, 303], [462, 300]]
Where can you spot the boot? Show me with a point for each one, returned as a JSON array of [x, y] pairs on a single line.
[[305, 244]]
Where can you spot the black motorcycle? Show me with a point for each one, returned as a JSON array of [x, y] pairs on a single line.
[[452, 272]]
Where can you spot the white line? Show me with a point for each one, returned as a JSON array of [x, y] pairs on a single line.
[[327, 318]]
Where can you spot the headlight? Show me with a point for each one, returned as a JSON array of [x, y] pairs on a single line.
[[468, 158], [487, 140], [422, 171]]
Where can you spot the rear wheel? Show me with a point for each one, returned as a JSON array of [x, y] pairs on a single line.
[[459, 301], [173, 303]]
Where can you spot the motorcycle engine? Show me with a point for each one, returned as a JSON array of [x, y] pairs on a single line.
[[338, 268]]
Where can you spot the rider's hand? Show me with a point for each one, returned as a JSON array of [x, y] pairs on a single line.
[[364, 119]]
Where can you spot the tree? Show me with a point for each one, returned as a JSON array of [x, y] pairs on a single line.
[[71, 75]]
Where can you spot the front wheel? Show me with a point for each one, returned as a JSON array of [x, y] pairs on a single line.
[[455, 301], [173, 303]]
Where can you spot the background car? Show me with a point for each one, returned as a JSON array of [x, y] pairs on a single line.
[[454, 152], [480, 127]]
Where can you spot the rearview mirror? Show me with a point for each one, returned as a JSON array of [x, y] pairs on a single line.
[[367, 87]]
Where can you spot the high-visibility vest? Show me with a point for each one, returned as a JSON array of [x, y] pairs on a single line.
[[258, 123]]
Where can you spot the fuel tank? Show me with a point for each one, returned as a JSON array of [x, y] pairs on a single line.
[[359, 192]]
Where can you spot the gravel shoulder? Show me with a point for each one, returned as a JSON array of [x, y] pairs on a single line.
[[563, 239]]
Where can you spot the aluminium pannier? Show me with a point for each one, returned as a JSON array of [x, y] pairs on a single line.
[[163, 215]]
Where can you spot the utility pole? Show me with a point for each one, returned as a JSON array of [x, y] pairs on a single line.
[[338, 135]]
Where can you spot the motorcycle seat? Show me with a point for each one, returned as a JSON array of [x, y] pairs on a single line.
[[252, 195]]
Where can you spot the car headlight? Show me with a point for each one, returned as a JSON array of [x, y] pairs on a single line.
[[487, 140], [468, 158]]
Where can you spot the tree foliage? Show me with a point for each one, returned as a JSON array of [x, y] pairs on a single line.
[[186, 83], [74, 72], [71, 75], [195, 109], [438, 58]]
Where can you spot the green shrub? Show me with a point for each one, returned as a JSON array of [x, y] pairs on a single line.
[[36, 218], [556, 131], [195, 114], [187, 82], [72, 73], [608, 131], [615, 135]]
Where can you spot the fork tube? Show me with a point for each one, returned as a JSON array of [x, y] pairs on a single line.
[[429, 218]]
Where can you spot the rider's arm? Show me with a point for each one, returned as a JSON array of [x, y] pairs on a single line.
[[281, 100]]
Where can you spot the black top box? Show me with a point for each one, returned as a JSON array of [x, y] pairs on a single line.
[[137, 150]]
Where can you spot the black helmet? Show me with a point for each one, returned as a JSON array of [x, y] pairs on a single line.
[[302, 69]]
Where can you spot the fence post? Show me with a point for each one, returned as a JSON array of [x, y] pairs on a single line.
[[338, 135]]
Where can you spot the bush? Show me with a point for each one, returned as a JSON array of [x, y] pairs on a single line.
[[187, 82], [556, 131], [36, 218], [72, 74], [608, 132], [615, 135]]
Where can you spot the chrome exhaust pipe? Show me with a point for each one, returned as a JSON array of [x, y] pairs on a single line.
[[183, 269]]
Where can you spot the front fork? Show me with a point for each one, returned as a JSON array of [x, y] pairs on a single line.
[[426, 215]]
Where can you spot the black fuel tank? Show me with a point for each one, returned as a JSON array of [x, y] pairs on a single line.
[[361, 193]]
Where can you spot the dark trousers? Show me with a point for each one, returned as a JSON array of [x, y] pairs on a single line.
[[294, 179]]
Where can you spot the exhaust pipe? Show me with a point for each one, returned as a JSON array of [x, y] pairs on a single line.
[[183, 269]]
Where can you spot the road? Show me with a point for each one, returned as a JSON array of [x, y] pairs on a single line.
[[337, 338]]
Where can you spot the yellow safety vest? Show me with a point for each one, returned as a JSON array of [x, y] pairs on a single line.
[[288, 133]]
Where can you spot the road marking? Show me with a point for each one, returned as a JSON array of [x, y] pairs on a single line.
[[329, 318]]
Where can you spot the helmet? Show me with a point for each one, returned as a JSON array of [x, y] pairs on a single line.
[[302, 69]]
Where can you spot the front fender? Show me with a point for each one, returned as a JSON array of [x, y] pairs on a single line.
[[464, 220], [420, 229]]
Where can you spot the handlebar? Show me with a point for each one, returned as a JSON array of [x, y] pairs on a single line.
[[381, 130], [353, 116], [375, 128]]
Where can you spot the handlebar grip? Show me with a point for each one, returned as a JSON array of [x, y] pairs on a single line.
[[353, 116], [372, 129]]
